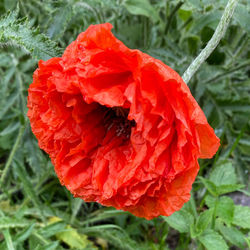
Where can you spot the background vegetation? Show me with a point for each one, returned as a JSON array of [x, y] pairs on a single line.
[[36, 212]]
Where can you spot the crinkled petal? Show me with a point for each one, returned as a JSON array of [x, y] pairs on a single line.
[[143, 160]]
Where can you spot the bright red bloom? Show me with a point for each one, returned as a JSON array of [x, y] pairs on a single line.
[[121, 127]]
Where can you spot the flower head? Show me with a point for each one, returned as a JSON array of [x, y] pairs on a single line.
[[121, 127]]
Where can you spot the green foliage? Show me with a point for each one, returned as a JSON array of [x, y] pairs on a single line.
[[19, 32], [58, 24], [36, 212], [233, 235], [142, 7], [181, 221], [213, 241], [242, 216]]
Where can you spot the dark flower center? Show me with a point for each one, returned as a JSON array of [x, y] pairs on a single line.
[[118, 117]]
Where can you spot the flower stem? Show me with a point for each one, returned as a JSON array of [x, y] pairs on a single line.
[[214, 41]]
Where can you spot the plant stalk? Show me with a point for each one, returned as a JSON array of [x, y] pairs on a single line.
[[213, 42]]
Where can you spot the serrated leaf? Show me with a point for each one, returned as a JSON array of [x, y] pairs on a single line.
[[242, 216], [225, 209], [233, 235], [222, 180], [210, 201], [224, 189], [9, 19], [223, 174], [20, 32], [203, 220], [213, 241], [142, 7], [180, 220], [210, 186]]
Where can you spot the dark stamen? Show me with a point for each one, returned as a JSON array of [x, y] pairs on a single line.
[[118, 117]]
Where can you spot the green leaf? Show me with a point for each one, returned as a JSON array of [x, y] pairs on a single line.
[[184, 14], [69, 235], [210, 201], [13, 126], [193, 43], [120, 239], [60, 19], [7, 236], [9, 101], [27, 185], [10, 4], [204, 220], [51, 246], [223, 174], [103, 215], [180, 220], [195, 3], [142, 7], [20, 32], [241, 14], [222, 180], [213, 241], [225, 209], [233, 235], [76, 206], [7, 222], [209, 186], [24, 234], [73, 239], [224, 189], [242, 216], [210, 20], [37, 159], [53, 229]]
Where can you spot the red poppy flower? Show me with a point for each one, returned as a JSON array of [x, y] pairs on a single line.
[[121, 127]]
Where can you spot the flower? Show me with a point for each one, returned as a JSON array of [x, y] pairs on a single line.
[[121, 127]]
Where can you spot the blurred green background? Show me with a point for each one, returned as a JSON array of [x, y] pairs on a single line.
[[36, 212]]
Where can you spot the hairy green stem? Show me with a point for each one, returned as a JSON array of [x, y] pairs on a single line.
[[12, 154], [214, 41]]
